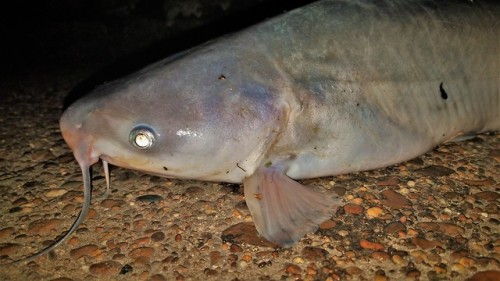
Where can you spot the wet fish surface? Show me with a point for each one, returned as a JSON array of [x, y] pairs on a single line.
[[329, 88]]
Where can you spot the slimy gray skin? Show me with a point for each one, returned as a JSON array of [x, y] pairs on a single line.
[[329, 88]]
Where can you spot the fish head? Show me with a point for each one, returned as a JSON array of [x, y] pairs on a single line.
[[197, 117]]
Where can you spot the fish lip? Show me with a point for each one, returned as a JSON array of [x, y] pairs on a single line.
[[80, 143]]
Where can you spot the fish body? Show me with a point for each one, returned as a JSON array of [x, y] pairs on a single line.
[[330, 88]]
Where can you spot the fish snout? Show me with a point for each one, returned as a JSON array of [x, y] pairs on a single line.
[[80, 143]]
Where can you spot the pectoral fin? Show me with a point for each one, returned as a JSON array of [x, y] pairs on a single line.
[[283, 209]]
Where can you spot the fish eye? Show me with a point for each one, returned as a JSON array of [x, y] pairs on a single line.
[[142, 137]]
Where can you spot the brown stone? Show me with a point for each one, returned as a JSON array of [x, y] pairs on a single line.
[[339, 190], [426, 244], [380, 256], [210, 272], [389, 182], [245, 233], [293, 269], [444, 227], [9, 249], [158, 236], [314, 254], [105, 268], [6, 232], [365, 244], [215, 257], [395, 200], [394, 227], [194, 190], [235, 249], [435, 171], [87, 250], [478, 182], [489, 275], [458, 254], [43, 226], [142, 252], [328, 224], [413, 273], [487, 195], [353, 209], [353, 270], [140, 224]]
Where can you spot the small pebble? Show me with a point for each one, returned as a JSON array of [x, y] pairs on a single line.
[[353, 270], [43, 226], [293, 269], [56, 193], [458, 268], [158, 236], [150, 198], [489, 275], [394, 228], [235, 248], [374, 212], [435, 171], [87, 250], [6, 232], [9, 249], [298, 260], [395, 200], [365, 244], [314, 254], [142, 252], [126, 269], [380, 278], [397, 259], [353, 209], [444, 227], [105, 268], [379, 256]]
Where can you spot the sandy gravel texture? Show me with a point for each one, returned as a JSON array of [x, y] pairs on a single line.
[[432, 218]]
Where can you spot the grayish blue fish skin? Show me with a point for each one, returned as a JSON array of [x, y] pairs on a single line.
[[330, 88]]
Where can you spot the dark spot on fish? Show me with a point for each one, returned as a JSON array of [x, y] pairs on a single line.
[[222, 77], [357, 104], [444, 95], [238, 165], [165, 168]]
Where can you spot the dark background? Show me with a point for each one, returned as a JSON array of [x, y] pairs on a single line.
[[93, 41]]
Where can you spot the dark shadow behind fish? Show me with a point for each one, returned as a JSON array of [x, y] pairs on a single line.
[[167, 47]]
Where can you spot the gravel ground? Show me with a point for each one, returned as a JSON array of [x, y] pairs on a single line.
[[432, 218]]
